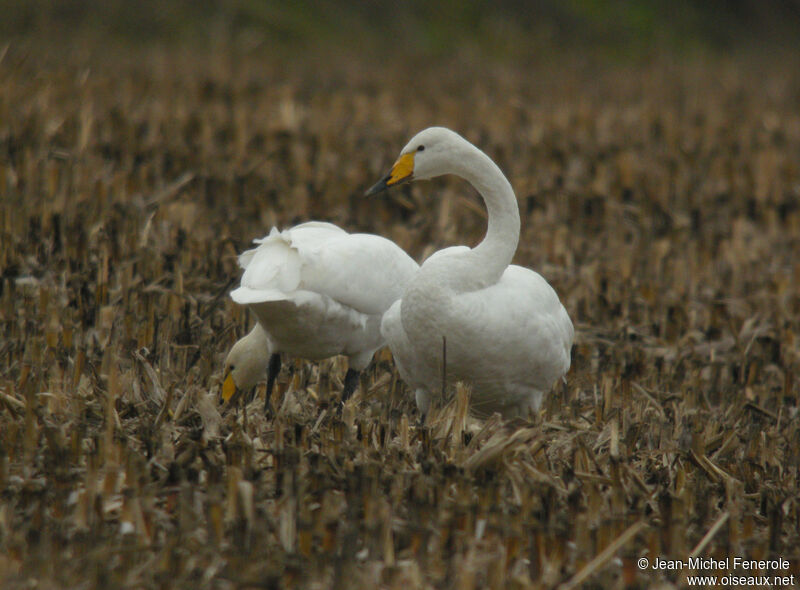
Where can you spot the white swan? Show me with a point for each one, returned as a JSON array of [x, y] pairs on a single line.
[[316, 291], [506, 332]]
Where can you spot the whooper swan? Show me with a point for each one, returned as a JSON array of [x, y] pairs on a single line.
[[506, 332], [317, 292]]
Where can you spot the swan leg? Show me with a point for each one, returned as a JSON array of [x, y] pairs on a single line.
[[272, 373], [351, 379], [423, 399], [528, 408]]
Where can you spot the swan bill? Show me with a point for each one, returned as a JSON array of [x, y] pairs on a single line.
[[228, 387], [402, 171]]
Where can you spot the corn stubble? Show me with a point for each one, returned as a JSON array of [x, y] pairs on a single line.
[[662, 203]]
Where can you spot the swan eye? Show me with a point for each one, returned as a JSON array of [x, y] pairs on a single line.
[[421, 148]]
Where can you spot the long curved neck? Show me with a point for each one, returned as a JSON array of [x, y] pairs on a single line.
[[258, 347], [502, 235], [484, 264]]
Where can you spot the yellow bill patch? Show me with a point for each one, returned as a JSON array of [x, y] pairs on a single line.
[[228, 387], [402, 169]]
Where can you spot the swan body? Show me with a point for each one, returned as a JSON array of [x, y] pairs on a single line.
[[505, 331], [317, 291]]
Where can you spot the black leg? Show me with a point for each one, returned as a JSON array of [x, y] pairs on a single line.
[[423, 400], [272, 373], [350, 384]]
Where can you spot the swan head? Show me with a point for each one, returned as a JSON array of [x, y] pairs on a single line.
[[431, 152], [246, 364]]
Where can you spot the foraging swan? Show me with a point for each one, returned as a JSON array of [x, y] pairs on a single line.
[[503, 327], [316, 291]]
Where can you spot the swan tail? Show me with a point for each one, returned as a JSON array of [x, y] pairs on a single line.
[[248, 296]]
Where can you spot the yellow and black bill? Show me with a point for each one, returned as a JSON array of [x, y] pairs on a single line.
[[229, 389], [402, 171]]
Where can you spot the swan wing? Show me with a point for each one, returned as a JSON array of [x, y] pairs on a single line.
[[362, 271], [275, 263], [314, 326], [305, 233], [249, 296], [520, 327]]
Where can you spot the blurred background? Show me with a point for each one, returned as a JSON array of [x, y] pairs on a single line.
[[505, 28], [654, 148]]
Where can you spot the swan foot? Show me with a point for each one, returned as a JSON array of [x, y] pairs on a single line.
[[272, 373]]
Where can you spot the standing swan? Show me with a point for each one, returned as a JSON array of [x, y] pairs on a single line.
[[506, 332], [316, 291]]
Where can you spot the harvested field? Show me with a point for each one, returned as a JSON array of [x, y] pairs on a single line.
[[661, 200]]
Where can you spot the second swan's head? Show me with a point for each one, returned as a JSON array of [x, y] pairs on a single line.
[[430, 153], [246, 364]]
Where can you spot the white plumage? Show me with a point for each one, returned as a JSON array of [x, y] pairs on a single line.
[[507, 334], [317, 292]]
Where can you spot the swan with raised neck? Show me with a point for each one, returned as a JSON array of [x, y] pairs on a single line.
[[506, 332]]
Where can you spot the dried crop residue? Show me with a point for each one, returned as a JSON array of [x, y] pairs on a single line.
[[662, 204]]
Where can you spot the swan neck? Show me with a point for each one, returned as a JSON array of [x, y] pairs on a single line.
[[497, 249], [258, 343], [441, 278]]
